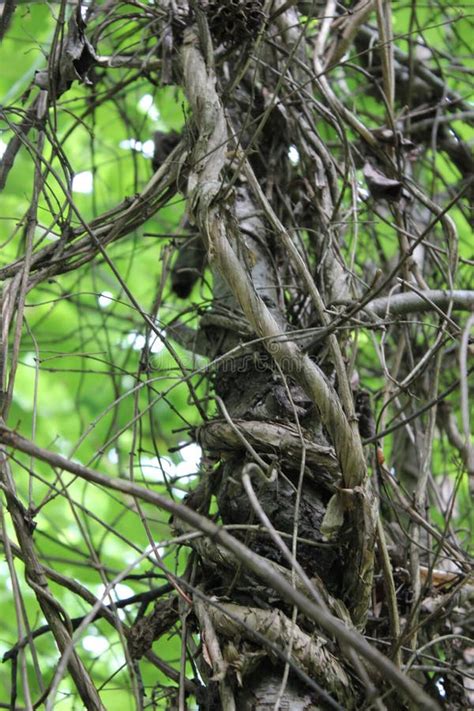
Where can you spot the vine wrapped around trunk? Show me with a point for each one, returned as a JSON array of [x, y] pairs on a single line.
[[234, 355]]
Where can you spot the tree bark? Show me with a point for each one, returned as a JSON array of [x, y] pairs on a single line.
[[328, 503]]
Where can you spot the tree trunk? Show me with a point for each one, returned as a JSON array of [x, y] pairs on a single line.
[[302, 542], [290, 469]]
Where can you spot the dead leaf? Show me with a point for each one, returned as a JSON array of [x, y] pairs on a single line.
[[381, 187], [75, 59], [333, 518]]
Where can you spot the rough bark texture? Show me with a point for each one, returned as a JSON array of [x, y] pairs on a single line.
[[295, 531]]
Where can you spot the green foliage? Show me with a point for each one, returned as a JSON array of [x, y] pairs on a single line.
[[85, 386]]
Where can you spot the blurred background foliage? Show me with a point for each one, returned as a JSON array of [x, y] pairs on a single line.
[[82, 387]]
